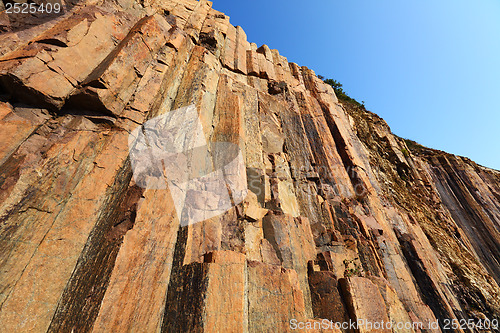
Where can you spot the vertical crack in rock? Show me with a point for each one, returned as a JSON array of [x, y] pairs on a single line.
[[327, 301], [427, 287], [186, 291], [466, 197], [80, 302], [350, 167]]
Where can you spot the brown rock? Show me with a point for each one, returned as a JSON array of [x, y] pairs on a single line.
[[110, 88], [225, 305], [326, 300], [140, 273], [252, 210], [56, 70], [365, 304], [269, 288]]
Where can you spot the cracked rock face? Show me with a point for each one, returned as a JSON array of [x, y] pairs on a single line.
[[340, 221]]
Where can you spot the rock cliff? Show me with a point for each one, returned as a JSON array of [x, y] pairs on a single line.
[[342, 220]]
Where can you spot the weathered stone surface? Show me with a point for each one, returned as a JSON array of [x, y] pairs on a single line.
[[197, 18], [213, 32], [326, 192], [395, 309], [253, 62], [109, 88], [364, 302], [67, 231], [17, 126], [225, 305], [326, 300], [48, 70], [252, 210], [228, 56], [273, 287], [140, 269]]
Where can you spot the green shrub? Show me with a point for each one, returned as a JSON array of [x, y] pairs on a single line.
[[352, 268], [413, 146], [339, 91]]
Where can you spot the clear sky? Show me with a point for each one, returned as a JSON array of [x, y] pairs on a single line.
[[430, 68]]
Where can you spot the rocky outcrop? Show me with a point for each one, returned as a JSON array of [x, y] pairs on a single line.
[[342, 221]]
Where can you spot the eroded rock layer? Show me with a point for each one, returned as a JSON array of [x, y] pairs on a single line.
[[343, 220]]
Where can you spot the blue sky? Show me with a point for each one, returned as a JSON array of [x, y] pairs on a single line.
[[431, 69]]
